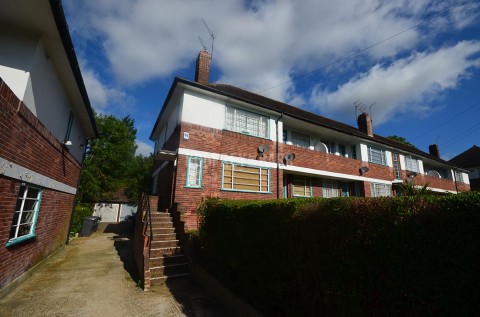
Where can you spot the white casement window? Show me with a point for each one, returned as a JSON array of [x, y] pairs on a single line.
[[459, 177], [245, 178], [380, 190], [26, 212], [354, 151], [376, 155], [330, 189], [301, 140], [302, 186], [342, 150], [246, 122], [411, 164], [194, 172], [396, 165]]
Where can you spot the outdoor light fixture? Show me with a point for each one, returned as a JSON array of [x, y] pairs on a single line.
[[261, 149], [363, 170], [67, 143], [412, 174]]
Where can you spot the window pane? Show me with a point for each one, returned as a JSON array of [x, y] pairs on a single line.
[[194, 172], [29, 205], [246, 122], [27, 217], [301, 186], [411, 164], [26, 208], [249, 178], [32, 193], [376, 155], [301, 140]]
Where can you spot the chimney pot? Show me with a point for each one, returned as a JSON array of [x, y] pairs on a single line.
[[365, 124], [202, 68], [433, 149]]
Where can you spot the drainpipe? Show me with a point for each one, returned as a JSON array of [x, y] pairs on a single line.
[[82, 165], [455, 180], [278, 163]]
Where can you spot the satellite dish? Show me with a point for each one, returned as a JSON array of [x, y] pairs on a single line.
[[263, 148], [289, 157], [434, 173], [321, 147]]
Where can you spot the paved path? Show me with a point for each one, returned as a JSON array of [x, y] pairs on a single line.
[[95, 276]]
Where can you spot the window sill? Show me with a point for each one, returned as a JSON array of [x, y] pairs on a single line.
[[19, 240], [245, 191]]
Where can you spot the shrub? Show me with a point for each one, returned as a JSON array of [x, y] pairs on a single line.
[[410, 255], [82, 210]]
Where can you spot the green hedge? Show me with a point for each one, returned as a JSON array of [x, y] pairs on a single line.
[[347, 256], [82, 210]]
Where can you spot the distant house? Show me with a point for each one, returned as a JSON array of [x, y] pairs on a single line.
[[45, 123], [470, 160], [219, 140], [116, 208]]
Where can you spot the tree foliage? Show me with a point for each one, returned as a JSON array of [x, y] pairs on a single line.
[[401, 140], [110, 161]]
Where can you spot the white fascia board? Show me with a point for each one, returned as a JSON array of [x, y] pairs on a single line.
[[297, 169], [24, 174]]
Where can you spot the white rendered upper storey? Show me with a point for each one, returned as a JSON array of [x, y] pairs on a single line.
[[38, 63], [192, 104]]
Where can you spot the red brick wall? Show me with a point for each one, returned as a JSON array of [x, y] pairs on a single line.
[[238, 145], [26, 142]]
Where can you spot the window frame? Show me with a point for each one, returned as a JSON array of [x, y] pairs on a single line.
[[459, 177], [260, 169], [331, 189], [396, 165], [307, 184], [31, 234], [234, 129], [410, 159], [300, 135], [383, 154], [373, 187], [187, 184]]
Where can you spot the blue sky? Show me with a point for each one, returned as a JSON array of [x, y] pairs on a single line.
[[416, 61]]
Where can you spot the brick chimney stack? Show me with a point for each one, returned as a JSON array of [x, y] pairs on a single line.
[[433, 149], [202, 68], [365, 123]]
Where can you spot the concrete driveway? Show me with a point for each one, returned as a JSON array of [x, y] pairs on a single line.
[[96, 276]]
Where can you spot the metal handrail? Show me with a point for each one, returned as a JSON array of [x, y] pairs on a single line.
[[147, 220]]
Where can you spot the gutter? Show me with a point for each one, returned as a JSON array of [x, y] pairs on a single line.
[[62, 27]]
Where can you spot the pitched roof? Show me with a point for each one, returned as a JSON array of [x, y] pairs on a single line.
[[469, 158], [294, 112]]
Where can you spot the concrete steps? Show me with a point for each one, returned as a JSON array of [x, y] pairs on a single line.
[[167, 259]]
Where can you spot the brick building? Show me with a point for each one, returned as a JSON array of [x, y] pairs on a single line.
[[45, 122], [219, 140]]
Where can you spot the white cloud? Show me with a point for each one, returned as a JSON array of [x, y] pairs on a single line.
[[102, 97], [407, 85], [143, 148], [259, 44]]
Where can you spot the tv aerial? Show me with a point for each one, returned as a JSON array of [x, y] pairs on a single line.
[[212, 36]]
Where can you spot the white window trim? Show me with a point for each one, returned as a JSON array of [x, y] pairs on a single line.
[[382, 152], [17, 239], [199, 172], [236, 129], [386, 188]]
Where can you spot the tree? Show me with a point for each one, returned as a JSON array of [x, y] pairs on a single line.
[[109, 158], [400, 140], [140, 177]]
